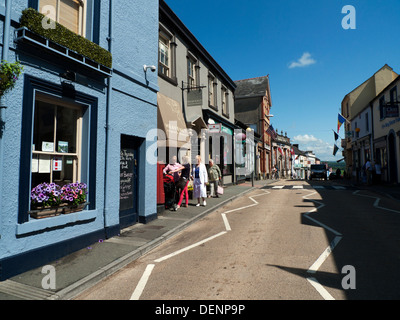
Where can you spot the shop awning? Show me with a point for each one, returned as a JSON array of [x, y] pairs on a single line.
[[170, 120]]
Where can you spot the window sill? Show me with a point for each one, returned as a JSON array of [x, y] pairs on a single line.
[[173, 81], [42, 225]]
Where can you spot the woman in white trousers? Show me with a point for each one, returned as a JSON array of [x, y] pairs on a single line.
[[200, 178]]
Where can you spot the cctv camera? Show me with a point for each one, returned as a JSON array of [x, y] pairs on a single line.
[[152, 68]]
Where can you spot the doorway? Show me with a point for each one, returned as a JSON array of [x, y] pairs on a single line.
[[129, 163]]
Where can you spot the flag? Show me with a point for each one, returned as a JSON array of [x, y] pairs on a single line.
[[292, 151], [271, 132], [336, 135], [335, 149], [341, 120], [280, 150]]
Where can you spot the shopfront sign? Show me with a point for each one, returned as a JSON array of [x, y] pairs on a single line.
[[214, 128]]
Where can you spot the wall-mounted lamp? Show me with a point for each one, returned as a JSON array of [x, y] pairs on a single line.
[[152, 68]]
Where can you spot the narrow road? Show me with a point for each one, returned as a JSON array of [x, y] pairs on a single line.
[[288, 241]]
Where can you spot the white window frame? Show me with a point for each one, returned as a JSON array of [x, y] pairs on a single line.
[[77, 155], [165, 68], [81, 17]]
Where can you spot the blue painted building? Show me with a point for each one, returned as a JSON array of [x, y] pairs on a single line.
[[80, 112]]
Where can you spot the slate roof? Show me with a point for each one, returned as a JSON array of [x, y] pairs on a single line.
[[255, 87]]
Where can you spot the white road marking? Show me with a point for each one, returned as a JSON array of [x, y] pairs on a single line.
[[339, 187], [226, 222], [376, 203], [321, 290], [277, 187], [142, 283], [321, 259], [173, 254], [297, 187], [314, 268]]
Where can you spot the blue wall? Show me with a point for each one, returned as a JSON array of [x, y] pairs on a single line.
[[132, 104]]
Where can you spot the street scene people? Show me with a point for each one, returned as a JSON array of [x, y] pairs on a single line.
[[214, 177], [200, 178]]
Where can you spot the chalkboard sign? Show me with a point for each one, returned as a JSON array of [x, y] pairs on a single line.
[[127, 166]]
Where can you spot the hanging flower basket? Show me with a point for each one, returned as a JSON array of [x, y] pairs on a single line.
[[9, 73]]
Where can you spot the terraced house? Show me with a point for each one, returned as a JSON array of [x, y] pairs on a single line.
[[72, 124], [196, 98]]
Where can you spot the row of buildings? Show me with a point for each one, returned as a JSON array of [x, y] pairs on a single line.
[[372, 127], [107, 100]]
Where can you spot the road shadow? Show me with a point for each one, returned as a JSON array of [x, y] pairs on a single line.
[[370, 241], [369, 237]]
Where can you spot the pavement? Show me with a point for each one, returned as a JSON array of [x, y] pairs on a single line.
[[83, 269]]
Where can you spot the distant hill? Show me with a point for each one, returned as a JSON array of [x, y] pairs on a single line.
[[334, 165]]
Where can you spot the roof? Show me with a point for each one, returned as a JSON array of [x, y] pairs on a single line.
[[386, 66], [255, 87]]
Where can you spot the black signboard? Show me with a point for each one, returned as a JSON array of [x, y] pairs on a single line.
[[126, 192]]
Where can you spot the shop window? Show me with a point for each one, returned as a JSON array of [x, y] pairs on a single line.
[[56, 152], [58, 140], [69, 13]]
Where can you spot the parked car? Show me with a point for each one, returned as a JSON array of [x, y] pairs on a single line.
[[318, 171]]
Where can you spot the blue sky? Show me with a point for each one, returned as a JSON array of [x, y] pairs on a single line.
[[311, 60]]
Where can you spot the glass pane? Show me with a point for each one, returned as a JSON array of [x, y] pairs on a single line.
[[43, 3], [66, 129], [63, 169], [43, 132], [69, 15]]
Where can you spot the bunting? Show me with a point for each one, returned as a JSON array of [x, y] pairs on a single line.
[[336, 135], [335, 149], [341, 120], [271, 132]]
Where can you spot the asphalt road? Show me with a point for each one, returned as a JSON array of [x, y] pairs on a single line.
[[294, 240]]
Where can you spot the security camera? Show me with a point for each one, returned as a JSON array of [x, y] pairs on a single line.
[[152, 68]]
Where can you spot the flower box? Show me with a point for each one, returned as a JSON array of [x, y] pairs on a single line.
[[47, 211], [74, 208], [49, 200]]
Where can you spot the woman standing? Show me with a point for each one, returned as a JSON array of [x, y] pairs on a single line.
[[199, 183], [183, 181]]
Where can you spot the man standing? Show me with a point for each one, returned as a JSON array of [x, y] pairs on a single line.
[[214, 175]]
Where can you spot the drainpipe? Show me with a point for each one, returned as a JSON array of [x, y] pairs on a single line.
[[107, 126], [6, 40]]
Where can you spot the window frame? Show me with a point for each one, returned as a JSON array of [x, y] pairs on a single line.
[[77, 155], [32, 86], [381, 108], [170, 38], [193, 77], [162, 38], [224, 101], [212, 92], [82, 15]]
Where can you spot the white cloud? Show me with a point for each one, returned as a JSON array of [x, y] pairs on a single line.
[[304, 61], [322, 149]]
